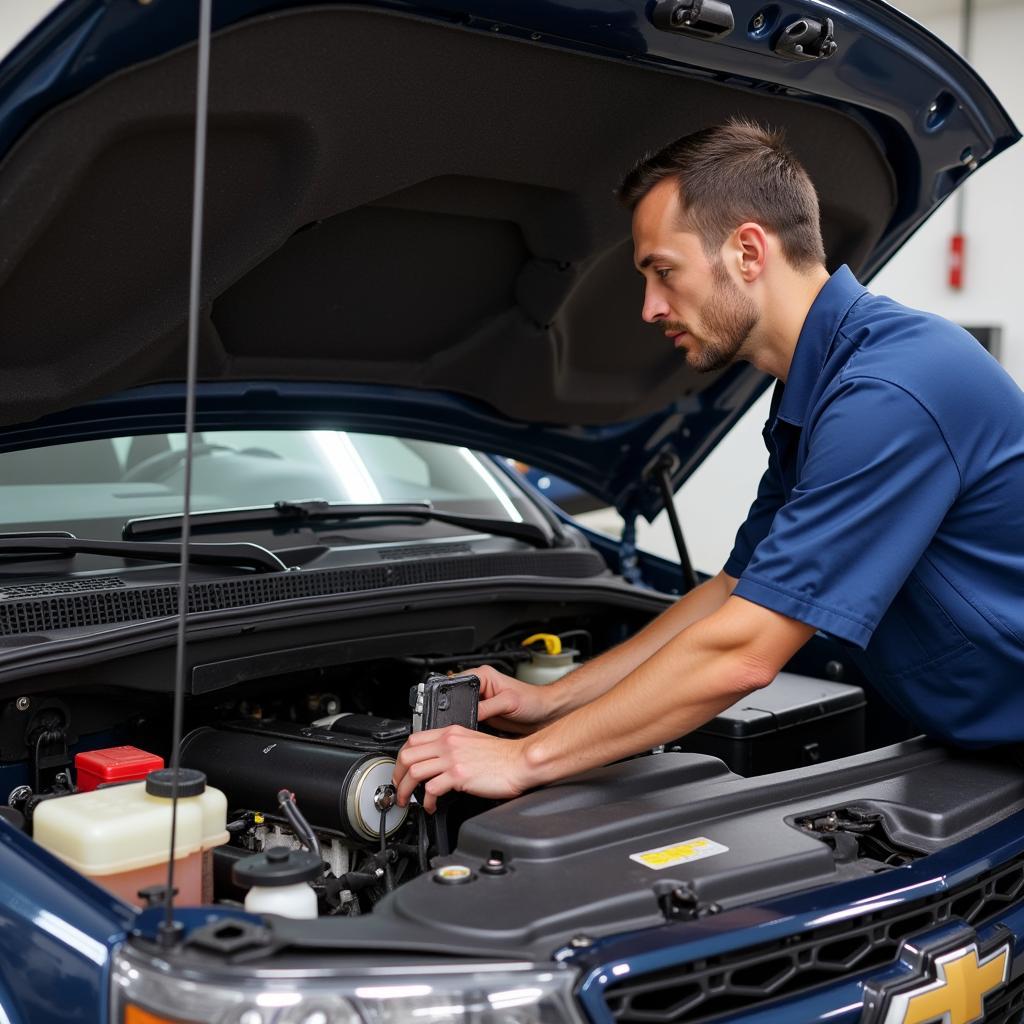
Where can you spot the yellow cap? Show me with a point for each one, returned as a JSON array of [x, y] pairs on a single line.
[[552, 643]]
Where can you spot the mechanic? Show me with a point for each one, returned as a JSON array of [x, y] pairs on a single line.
[[891, 514]]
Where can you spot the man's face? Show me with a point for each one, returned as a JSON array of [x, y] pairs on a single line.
[[690, 298]]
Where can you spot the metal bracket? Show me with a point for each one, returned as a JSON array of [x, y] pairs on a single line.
[[629, 562], [707, 19], [48, 752], [681, 902], [807, 39]]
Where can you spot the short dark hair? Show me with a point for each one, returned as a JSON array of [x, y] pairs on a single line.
[[736, 172]]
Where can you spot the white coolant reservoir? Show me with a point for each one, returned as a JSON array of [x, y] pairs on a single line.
[[548, 665], [119, 836], [279, 880]]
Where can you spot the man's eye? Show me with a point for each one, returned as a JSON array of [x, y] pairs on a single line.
[[662, 272]]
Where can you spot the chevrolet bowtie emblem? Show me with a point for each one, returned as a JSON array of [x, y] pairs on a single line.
[[957, 995], [949, 982]]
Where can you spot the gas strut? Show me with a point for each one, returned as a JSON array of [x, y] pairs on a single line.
[[663, 473]]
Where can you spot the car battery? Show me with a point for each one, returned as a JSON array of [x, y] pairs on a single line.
[[94, 768], [793, 722]]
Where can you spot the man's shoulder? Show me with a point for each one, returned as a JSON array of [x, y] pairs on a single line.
[[949, 378], [886, 332], [933, 359]]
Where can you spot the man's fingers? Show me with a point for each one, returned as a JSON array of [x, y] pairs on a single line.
[[408, 757], [404, 786], [436, 787], [458, 759], [488, 680], [416, 774], [500, 704], [418, 739]]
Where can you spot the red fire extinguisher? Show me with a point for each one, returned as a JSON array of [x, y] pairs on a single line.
[[956, 261]]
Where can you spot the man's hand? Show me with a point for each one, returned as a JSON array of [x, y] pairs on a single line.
[[459, 759], [690, 679], [511, 705], [693, 677]]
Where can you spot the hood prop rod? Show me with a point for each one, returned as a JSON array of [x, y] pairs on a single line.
[[663, 474], [170, 930]]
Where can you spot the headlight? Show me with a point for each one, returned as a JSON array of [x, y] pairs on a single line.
[[149, 991]]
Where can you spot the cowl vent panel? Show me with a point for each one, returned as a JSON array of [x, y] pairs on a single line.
[[44, 614]]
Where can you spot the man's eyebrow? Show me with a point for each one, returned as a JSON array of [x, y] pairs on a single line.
[[650, 258]]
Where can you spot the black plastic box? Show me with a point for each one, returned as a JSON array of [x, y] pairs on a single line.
[[794, 721]]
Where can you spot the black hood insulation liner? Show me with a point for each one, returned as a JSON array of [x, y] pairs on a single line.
[[338, 138]]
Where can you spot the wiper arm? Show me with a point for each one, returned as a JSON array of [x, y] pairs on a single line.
[[26, 547], [319, 511]]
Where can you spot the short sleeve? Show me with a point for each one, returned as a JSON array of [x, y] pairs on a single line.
[[878, 481], [770, 498]]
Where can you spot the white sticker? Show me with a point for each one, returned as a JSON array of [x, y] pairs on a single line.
[[679, 853]]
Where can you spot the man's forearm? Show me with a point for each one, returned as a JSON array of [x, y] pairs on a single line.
[[691, 678], [599, 675]]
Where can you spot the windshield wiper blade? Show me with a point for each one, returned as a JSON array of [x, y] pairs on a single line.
[[243, 555], [319, 511]]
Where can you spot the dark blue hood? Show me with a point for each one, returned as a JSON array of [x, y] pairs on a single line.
[[410, 221]]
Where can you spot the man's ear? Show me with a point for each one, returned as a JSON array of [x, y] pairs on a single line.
[[749, 245]]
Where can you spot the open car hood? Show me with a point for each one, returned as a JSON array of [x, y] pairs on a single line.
[[409, 212]]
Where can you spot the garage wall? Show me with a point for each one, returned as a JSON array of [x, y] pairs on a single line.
[[994, 213], [18, 17], [714, 501]]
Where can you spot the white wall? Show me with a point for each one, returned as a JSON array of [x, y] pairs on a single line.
[[713, 503], [994, 213], [17, 17]]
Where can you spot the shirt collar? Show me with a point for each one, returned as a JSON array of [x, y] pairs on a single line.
[[827, 312]]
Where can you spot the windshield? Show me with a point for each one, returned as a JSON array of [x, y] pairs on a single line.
[[92, 487]]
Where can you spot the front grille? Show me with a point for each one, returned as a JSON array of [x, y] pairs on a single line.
[[1007, 1007], [705, 990], [135, 604]]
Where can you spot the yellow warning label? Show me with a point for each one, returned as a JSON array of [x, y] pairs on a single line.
[[679, 853]]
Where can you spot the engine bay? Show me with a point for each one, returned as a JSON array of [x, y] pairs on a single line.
[[315, 772], [301, 757], [304, 759]]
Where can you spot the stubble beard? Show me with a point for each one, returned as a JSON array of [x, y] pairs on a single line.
[[726, 322]]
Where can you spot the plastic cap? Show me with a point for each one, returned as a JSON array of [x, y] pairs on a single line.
[[191, 782], [93, 768], [277, 866], [552, 643]]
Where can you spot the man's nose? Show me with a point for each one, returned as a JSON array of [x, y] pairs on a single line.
[[655, 307]]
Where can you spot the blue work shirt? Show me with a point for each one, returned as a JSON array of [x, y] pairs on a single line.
[[891, 515]]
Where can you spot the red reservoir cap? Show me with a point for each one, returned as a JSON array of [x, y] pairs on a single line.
[[113, 764]]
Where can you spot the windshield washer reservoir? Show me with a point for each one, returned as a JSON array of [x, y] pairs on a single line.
[[119, 837]]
